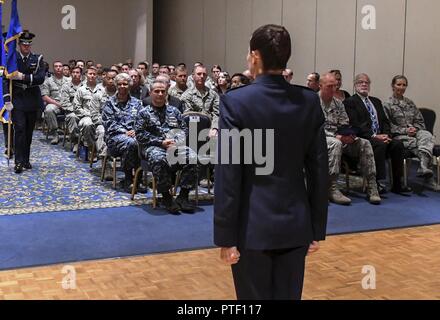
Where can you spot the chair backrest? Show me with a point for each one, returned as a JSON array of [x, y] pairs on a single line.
[[429, 117], [201, 121]]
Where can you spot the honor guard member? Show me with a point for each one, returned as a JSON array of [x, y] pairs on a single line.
[[26, 99]]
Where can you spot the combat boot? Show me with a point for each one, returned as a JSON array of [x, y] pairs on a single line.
[[56, 138], [430, 184], [183, 202], [169, 203], [372, 192], [335, 195], [425, 161]]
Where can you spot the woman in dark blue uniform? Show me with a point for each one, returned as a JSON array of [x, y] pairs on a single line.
[[26, 99], [267, 223]]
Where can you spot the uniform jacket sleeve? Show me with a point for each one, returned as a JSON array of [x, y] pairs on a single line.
[[65, 102], [37, 78], [215, 111], [228, 178], [396, 129], [316, 169], [419, 121], [78, 107], [110, 121]]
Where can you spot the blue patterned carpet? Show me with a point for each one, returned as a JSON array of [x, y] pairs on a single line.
[[58, 182]]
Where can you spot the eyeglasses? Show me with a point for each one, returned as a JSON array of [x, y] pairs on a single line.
[[363, 82]]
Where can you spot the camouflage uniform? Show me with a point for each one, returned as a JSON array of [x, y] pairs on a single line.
[[118, 119], [207, 103], [153, 126], [209, 83], [404, 114], [176, 92], [52, 88], [87, 106], [335, 118], [68, 92]]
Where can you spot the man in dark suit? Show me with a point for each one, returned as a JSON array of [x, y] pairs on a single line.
[[267, 222], [26, 99], [368, 116]]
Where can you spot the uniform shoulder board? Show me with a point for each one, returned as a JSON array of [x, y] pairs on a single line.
[[302, 87], [240, 87]]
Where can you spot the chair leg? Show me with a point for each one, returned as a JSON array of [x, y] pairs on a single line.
[[208, 175], [438, 171], [92, 156], [176, 183], [104, 166], [47, 131], [79, 146], [154, 193], [135, 180], [405, 172], [347, 177], [114, 172], [197, 190], [65, 135]]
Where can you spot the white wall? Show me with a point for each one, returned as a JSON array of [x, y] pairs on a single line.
[[107, 31]]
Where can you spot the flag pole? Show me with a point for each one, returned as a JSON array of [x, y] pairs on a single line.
[[10, 125]]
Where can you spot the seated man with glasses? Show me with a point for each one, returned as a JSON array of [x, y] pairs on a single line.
[[367, 114]]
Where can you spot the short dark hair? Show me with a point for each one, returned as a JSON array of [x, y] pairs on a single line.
[[274, 44], [243, 79], [216, 66], [316, 75], [79, 68], [143, 64], [399, 77]]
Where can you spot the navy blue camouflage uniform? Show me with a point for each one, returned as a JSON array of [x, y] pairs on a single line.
[[119, 118], [153, 126]]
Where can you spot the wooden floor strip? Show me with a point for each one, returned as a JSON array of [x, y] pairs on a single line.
[[406, 262]]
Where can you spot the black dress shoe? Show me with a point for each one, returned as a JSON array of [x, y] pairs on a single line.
[[27, 166], [18, 168], [400, 190]]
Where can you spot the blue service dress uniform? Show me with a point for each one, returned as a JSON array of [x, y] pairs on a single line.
[[27, 102]]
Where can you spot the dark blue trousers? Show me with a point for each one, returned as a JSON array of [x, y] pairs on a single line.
[[24, 123], [270, 274]]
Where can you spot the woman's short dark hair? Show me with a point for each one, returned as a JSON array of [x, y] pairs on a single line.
[[399, 77], [274, 44], [243, 79]]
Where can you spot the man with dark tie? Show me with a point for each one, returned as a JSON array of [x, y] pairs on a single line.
[[367, 114], [26, 99]]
